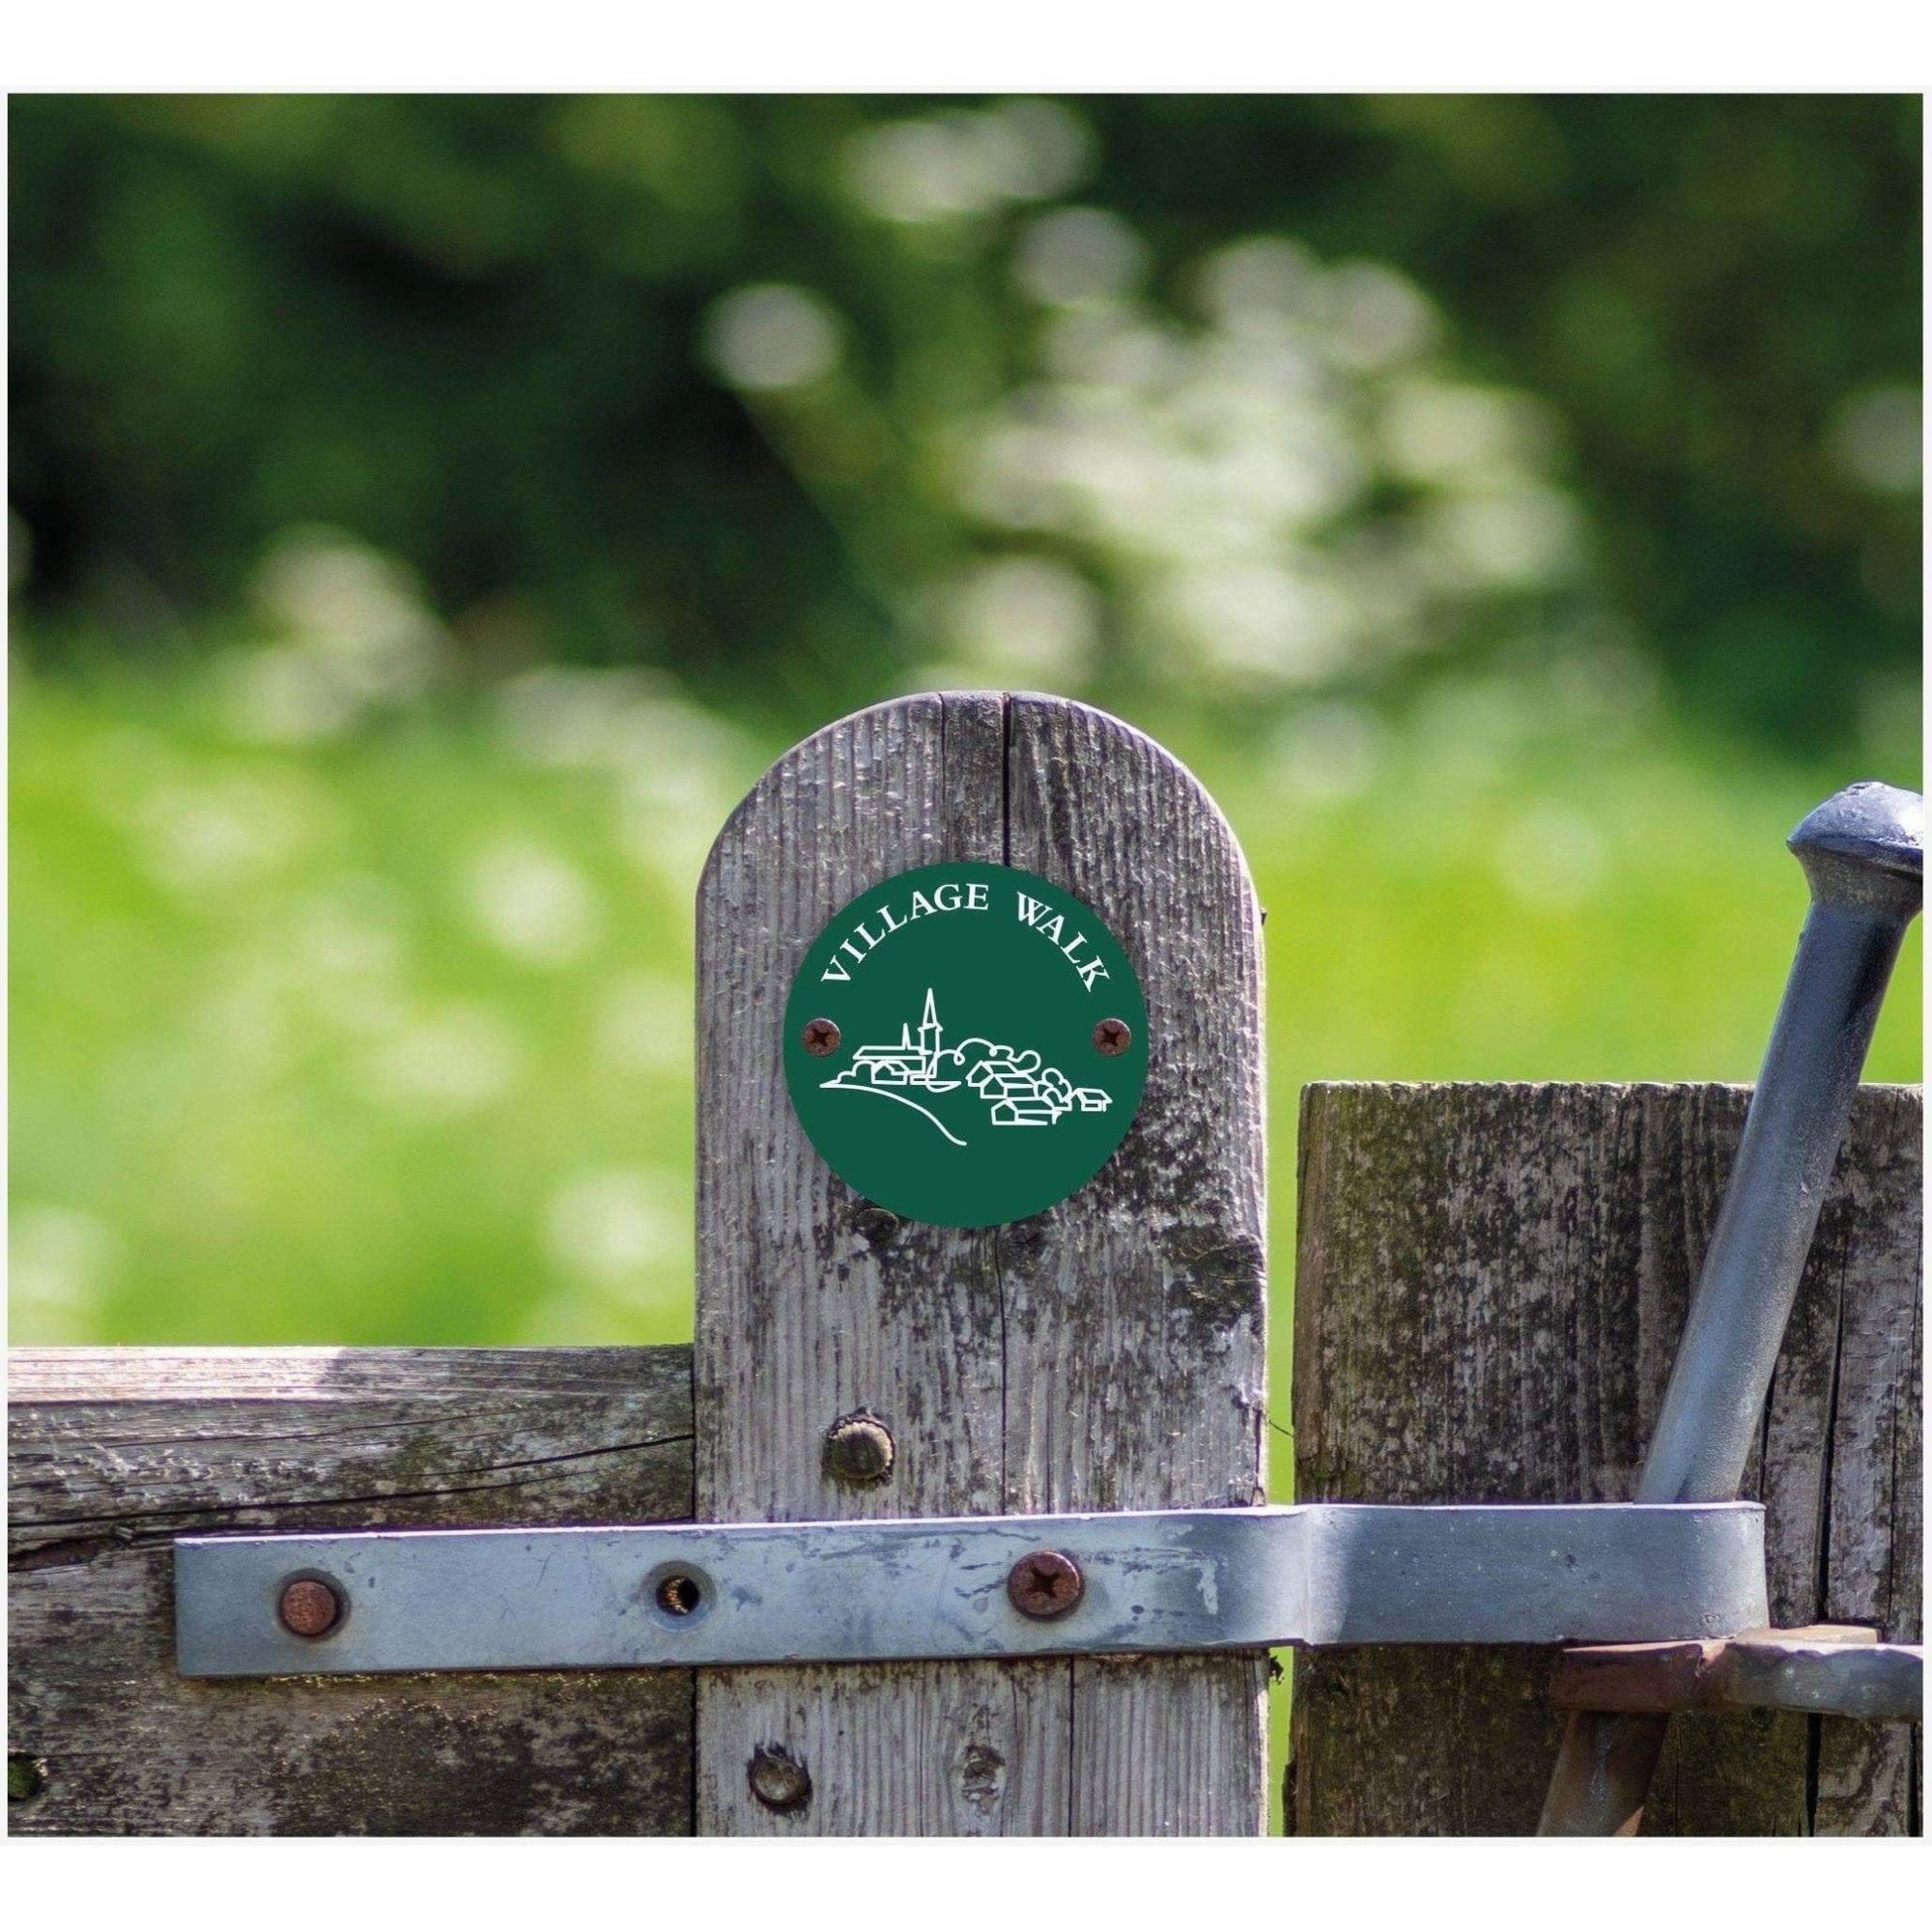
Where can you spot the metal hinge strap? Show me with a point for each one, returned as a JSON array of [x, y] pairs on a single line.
[[698, 1594]]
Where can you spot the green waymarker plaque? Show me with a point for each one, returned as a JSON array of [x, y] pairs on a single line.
[[966, 1044]]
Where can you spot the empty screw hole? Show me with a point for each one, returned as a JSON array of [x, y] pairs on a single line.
[[679, 1594]]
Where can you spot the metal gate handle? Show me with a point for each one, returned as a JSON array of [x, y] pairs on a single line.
[[1863, 852]]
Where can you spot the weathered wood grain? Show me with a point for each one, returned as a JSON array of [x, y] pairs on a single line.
[[112, 1453], [1490, 1285], [813, 1303], [1107, 1355], [1136, 1313], [1871, 1559]]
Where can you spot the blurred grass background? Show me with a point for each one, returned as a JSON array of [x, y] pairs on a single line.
[[388, 1040], [428, 515]]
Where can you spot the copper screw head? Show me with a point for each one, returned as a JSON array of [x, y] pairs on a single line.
[[857, 1450], [1113, 1037], [309, 1608], [1046, 1584], [821, 1037], [778, 1780]]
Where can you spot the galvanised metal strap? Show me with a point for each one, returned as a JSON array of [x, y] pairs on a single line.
[[684, 1595]]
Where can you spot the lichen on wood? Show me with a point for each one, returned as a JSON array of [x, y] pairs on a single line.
[[1491, 1280]]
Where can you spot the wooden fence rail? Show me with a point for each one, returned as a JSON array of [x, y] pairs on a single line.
[[113, 1452]]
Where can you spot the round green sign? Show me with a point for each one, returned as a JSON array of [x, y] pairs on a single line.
[[966, 1044]]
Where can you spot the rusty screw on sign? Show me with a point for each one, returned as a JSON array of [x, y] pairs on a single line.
[[1044, 1585], [1113, 1037], [857, 1450], [821, 1037], [308, 1608]]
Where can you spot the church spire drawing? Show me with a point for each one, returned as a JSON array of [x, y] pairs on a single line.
[[930, 1035]]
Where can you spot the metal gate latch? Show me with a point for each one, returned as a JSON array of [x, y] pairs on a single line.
[[697, 1594]]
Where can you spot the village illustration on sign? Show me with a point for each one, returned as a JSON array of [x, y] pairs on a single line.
[[1018, 1091]]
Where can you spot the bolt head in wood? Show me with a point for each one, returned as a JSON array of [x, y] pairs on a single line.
[[821, 1037], [857, 1450], [1113, 1038], [309, 1608], [778, 1780], [1046, 1584], [876, 1226]]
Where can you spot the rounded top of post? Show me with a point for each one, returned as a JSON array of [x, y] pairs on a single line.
[[1866, 843]]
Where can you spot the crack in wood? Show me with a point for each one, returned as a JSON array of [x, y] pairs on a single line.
[[126, 1746]]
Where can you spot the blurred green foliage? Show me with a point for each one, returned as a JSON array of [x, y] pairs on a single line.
[[708, 384], [1439, 474], [430, 512]]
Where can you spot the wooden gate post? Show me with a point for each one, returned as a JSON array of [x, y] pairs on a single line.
[[1491, 1287], [1109, 1353]]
